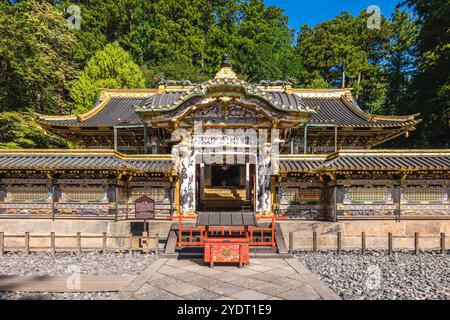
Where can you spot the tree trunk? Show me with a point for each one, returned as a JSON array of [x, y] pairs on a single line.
[[343, 79], [359, 82]]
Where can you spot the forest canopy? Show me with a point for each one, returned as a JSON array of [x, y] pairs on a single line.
[[47, 67]]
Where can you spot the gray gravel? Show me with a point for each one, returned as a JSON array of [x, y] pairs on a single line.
[[56, 296], [378, 276], [90, 263]]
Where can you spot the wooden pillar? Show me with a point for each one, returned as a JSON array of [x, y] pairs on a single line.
[[2, 243], [115, 139], [416, 243], [335, 138], [338, 198], [202, 182], [52, 243], [104, 243], [305, 139], [390, 248], [127, 198], [111, 193], [116, 201], [315, 241], [442, 243], [53, 202], [78, 243], [397, 194], [27, 242], [145, 139], [363, 242], [339, 242]]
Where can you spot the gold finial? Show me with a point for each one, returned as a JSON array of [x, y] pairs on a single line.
[[226, 70]]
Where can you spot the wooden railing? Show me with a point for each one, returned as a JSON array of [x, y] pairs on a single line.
[[339, 239], [146, 244]]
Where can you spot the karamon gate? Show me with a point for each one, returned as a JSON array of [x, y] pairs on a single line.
[[225, 160]]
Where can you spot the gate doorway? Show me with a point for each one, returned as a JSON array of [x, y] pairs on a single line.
[[225, 187]]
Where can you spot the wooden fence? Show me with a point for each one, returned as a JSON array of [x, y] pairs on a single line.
[[144, 243], [363, 240]]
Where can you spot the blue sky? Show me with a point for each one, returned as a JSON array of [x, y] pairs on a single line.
[[312, 12]]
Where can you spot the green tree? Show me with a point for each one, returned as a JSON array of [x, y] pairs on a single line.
[[345, 53], [18, 130], [112, 67], [102, 22], [431, 85], [401, 63], [36, 58]]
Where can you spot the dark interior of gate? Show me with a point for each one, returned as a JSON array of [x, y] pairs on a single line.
[[228, 188]]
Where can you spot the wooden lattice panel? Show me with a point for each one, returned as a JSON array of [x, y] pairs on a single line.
[[157, 194], [297, 195], [373, 194], [84, 194], [424, 194], [33, 193]]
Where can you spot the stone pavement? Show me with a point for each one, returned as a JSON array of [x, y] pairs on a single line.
[[263, 279], [64, 283]]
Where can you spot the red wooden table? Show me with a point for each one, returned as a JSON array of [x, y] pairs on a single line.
[[227, 250]]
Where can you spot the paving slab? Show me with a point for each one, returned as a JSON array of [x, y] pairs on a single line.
[[226, 289], [275, 279], [64, 284], [182, 289], [250, 295]]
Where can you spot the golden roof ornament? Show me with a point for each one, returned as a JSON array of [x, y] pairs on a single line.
[[226, 71]]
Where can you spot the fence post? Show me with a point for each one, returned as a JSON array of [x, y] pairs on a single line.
[[416, 243], [339, 242], [52, 243], [130, 244], [442, 243], [315, 241], [78, 243], [104, 243], [2, 243], [157, 244], [27, 242], [291, 242], [390, 243], [363, 242]]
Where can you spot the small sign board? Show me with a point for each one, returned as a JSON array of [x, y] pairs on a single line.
[[144, 208]]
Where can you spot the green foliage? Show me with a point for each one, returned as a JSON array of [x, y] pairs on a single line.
[[18, 130], [401, 65], [194, 35], [345, 53], [112, 67], [36, 58], [400, 69], [431, 84]]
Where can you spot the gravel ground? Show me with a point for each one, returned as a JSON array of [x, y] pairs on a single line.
[[91, 263], [56, 296], [378, 276]]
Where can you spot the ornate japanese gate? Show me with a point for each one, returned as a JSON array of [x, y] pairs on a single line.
[[210, 149]]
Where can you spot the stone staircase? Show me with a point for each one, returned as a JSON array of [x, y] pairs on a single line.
[[224, 198]]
